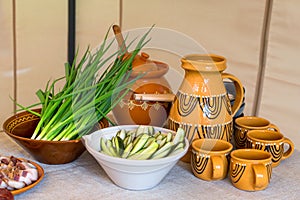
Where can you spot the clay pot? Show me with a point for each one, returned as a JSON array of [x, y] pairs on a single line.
[[20, 128], [141, 111]]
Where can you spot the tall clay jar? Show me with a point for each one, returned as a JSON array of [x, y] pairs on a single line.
[[201, 106]]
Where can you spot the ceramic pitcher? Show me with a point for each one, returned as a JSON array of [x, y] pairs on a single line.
[[202, 106]]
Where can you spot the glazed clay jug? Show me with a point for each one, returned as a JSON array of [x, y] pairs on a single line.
[[202, 106]]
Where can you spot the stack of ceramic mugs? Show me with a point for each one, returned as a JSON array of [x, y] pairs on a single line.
[[258, 147]]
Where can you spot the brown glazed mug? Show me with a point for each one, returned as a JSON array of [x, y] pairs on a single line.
[[210, 158], [244, 124], [250, 169], [272, 142]]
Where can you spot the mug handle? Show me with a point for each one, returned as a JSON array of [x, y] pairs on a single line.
[[290, 150], [261, 175], [274, 127], [239, 92], [217, 164]]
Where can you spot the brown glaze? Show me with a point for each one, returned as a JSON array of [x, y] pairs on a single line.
[[155, 113], [20, 128]]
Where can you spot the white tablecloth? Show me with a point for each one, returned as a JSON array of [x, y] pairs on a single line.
[[85, 179]]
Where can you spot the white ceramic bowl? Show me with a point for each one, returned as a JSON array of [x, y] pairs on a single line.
[[130, 174]]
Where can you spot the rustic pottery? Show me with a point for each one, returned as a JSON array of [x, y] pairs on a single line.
[[137, 110], [20, 128], [202, 106], [250, 169], [210, 158], [245, 124], [132, 110], [279, 146]]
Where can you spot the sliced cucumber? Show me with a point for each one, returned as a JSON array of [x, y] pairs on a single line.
[[149, 141], [156, 134], [179, 136], [122, 134], [131, 132], [162, 142], [143, 143], [163, 151], [104, 148], [145, 153], [111, 148], [136, 139], [127, 140], [151, 130], [141, 129], [140, 143], [159, 137], [127, 150], [176, 151], [119, 145], [169, 137]]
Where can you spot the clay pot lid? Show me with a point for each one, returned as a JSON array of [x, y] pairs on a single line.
[[141, 63], [151, 68]]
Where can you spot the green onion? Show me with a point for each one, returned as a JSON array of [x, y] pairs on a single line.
[[87, 95]]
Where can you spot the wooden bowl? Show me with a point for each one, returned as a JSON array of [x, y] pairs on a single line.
[[20, 128]]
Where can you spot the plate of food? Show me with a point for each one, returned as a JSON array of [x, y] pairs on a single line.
[[19, 175]]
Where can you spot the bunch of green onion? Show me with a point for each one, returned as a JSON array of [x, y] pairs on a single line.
[[88, 94]]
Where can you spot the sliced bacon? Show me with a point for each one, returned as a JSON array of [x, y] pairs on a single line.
[[16, 173]]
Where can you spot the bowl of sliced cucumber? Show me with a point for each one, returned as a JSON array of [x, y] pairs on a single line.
[[136, 157]]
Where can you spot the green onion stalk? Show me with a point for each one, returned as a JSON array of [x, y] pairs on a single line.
[[87, 96]]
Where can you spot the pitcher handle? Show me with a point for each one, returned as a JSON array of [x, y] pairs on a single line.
[[239, 92]]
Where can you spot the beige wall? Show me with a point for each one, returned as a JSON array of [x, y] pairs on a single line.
[[281, 87], [218, 27], [41, 45], [230, 28], [6, 60]]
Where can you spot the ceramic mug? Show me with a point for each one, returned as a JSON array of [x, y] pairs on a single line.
[[250, 169], [272, 142], [244, 124], [210, 158]]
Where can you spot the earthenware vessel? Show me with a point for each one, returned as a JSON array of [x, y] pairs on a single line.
[[133, 110], [141, 110], [20, 128], [279, 146], [250, 169], [245, 124], [210, 158], [202, 106]]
